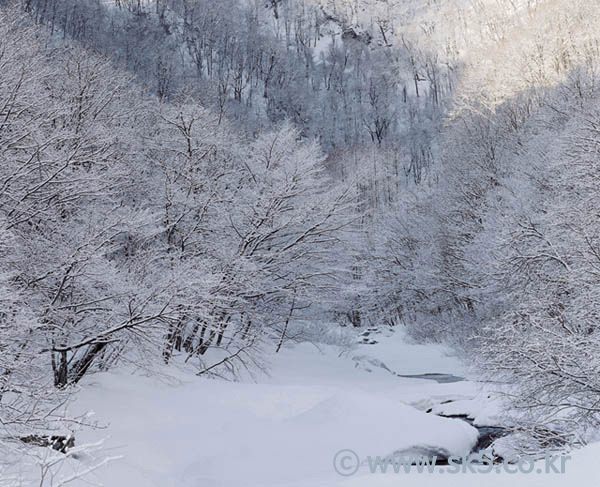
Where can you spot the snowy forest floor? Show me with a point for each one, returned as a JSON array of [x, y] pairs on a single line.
[[284, 429]]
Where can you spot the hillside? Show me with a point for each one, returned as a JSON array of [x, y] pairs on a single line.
[[289, 221]]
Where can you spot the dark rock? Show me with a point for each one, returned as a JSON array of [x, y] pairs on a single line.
[[56, 442], [356, 34]]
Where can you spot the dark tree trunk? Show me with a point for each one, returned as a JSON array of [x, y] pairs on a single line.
[[82, 366]]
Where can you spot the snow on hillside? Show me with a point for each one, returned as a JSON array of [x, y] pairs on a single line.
[[285, 428]]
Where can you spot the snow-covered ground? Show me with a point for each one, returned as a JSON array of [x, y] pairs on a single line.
[[284, 429]]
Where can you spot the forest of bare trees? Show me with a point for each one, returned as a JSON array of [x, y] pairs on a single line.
[[181, 177]]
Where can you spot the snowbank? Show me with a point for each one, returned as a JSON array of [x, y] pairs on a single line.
[[285, 430]]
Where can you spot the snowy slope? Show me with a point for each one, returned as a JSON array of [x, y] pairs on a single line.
[[284, 429]]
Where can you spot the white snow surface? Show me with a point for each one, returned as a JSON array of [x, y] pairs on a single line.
[[284, 429]]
